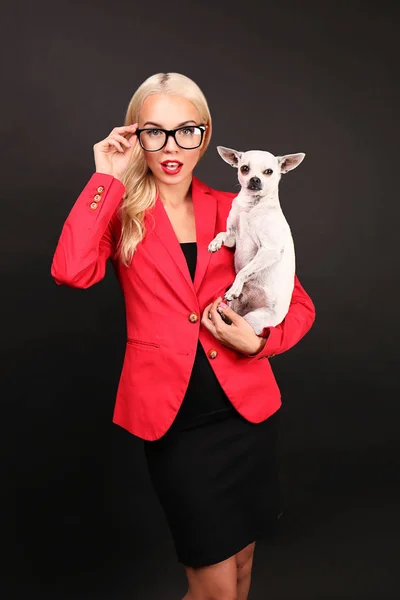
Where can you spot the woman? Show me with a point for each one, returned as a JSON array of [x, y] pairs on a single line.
[[194, 388]]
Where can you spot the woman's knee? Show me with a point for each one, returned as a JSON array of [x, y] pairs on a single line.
[[244, 571], [214, 582], [244, 562]]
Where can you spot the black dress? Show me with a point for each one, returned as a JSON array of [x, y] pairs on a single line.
[[213, 471]]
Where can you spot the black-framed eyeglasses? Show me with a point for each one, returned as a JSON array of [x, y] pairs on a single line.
[[153, 139]]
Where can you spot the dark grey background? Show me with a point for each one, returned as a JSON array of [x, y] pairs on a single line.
[[286, 77]]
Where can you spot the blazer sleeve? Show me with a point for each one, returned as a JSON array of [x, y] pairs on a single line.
[[297, 322], [87, 240]]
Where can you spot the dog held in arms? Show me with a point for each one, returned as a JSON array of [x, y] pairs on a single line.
[[264, 249]]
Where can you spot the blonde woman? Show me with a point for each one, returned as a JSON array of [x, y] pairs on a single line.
[[199, 392]]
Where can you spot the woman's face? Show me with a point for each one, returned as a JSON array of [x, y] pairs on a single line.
[[169, 112]]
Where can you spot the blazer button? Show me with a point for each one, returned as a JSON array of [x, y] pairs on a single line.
[[193, 317], [97, 198], [100, 189], [93, 206], [213, 353]]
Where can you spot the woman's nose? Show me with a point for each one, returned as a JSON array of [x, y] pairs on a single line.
[[171, 144]]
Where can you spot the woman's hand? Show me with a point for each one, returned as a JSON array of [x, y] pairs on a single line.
[[239, 336], [112, 155]]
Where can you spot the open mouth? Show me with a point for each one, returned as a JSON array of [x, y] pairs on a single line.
[[171, 167]]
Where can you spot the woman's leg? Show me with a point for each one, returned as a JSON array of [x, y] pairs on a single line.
[[214, 582], [226, 580], [244, 564]]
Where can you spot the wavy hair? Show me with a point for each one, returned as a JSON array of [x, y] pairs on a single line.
[[140, 185]]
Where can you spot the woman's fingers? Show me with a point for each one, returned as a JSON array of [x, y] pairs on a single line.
[[127, 131], [119, 133], [118, 141], [125, 128], [121, 139], [116, 137], [215, 316], [207, 319], [212, 319], [112, 142]]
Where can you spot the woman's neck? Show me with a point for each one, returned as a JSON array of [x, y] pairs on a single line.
[[175, 195]]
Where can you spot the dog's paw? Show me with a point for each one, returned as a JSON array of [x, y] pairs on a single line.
[[214, 245], [233, 293], [229, 297], [258, 329]]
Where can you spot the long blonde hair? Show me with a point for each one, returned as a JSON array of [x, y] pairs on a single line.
[[140, 185]]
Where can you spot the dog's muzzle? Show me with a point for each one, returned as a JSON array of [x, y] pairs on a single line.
[[255, 184]]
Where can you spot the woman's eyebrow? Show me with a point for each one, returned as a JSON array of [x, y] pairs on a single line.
[[161, 127]]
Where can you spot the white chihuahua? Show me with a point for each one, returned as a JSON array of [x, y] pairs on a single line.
[[264, 253]]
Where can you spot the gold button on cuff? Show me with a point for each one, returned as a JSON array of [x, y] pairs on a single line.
[[94, 205], [213, 354], [100, 189], [97, 198], [193, 317]]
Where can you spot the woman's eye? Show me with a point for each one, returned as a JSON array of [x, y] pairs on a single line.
[[187, 131], [153, 132], [268, 172], [244, 169]]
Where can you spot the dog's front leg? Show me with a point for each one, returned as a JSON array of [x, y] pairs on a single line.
[[218, 241], [264, 258], [228, 237]]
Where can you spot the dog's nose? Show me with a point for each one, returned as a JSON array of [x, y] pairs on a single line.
[[255, 183]]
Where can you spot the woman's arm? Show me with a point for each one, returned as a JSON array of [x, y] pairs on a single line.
[[240, 335], [297, 322], [86, 239]]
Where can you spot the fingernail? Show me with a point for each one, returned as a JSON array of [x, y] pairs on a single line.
[[223, 305]]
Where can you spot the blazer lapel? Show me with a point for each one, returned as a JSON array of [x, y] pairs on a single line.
[[205, 213], [166, 234]]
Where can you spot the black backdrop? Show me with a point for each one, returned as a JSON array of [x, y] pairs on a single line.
[[287, 77]]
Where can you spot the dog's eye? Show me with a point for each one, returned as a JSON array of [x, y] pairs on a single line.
[[268, 172], [244, 169]]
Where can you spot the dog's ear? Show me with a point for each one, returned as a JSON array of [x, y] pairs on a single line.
[[290, 161], [230, 156]]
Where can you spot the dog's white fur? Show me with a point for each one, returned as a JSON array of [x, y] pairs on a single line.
[[264, 253]]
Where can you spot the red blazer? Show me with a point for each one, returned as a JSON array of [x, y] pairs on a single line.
[[164, 307]]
